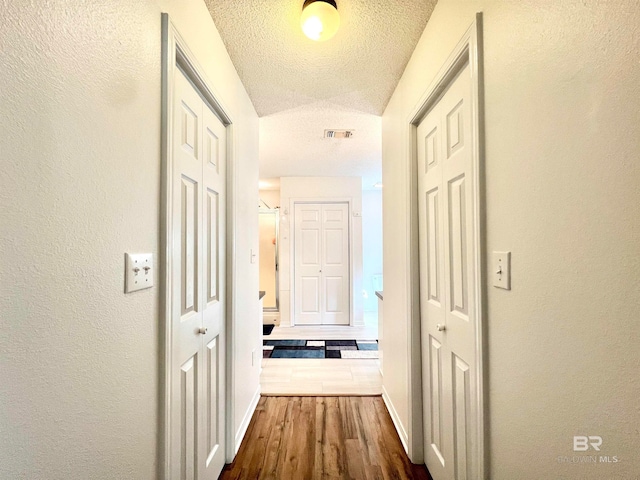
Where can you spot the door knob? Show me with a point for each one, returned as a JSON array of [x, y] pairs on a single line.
[[203, 330], [441, 328]]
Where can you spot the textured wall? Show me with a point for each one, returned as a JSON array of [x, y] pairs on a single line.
[[79, 187], [395, 267], [562, 86]]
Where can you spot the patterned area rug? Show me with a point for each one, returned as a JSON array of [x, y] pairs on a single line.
[[320, 349], [267, 329]]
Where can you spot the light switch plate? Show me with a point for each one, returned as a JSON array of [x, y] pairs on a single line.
[[501, 266], [138, 271]]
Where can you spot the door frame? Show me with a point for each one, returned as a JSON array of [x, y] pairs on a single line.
[[292, 252], [176, 54], [468, 50]]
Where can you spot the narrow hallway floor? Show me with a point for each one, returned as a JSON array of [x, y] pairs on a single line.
[[304, 438]]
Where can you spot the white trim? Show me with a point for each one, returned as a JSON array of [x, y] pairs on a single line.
[[468, 50], [292, 252], [395, 418], [176, 54], [232, 288], [246, 420]]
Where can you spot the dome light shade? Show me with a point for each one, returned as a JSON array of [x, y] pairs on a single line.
[[320, 19]]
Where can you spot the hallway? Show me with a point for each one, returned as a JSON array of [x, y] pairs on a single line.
[[91, 388], [307, 438]]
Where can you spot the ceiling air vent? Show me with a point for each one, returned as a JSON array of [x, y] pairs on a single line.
[[338, 133]]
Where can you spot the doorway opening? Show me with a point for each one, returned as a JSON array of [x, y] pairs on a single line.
[[319, 350]]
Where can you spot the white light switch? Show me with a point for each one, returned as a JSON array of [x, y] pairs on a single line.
[[501, 265], [253, 256], [138, 271]]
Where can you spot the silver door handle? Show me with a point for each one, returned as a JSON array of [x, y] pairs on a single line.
[[203, 330], [441, 328]]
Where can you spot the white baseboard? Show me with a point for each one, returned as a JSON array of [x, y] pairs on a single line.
[[246, 420], [271, 318], [402, 433]]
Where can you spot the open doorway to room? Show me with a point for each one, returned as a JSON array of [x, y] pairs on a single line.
[[326, 159], [268, 221], [323, 339]]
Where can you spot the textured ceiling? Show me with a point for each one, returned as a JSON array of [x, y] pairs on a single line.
[[300, 87], [292, 144], [357, 69]]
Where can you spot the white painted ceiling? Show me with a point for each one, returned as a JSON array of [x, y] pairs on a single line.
[[300, 87]]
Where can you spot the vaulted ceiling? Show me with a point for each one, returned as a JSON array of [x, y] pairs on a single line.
[[300, 87]]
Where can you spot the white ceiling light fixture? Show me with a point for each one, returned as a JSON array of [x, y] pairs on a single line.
[[320, 19]]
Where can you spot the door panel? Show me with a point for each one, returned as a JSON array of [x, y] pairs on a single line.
[[185, 262], [308, 266], [435, 394], [461, 398], [431, 150], [334, 286], [212, 455], [213, 251], [335, 264], [446, 274], [189, 238], [310, 295], [334, 253], [310, 247], [433, 247], [198, 265], [457, 247], [189, 401], [213, 379], [321, 272]]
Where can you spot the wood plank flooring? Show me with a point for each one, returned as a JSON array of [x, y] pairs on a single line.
[[304, 438]]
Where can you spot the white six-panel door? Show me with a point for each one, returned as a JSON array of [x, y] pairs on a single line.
[[447, 203], [321, 267], [198, 272]]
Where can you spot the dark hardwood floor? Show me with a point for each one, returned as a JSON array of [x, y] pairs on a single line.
[[303, 438]]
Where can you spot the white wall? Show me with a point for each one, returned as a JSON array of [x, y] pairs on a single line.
[[270, 197], [311, 189], [79, 187], [268, 262], [562, 95], [371, 245]]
